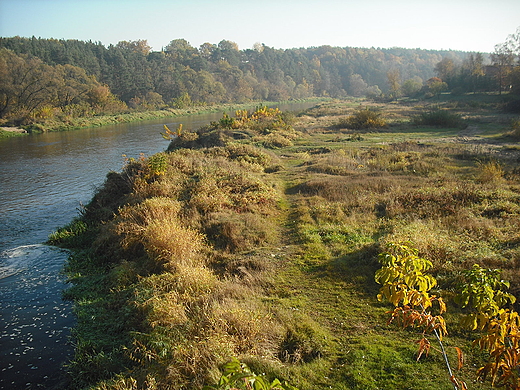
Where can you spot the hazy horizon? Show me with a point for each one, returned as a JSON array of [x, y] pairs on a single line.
[[431, 25]]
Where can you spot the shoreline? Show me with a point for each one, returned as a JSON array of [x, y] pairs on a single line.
[[107, 120], [9, 132]]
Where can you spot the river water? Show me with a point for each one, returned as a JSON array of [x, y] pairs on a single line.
[[44, 180]]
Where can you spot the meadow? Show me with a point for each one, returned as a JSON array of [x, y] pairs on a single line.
[[257, 238]]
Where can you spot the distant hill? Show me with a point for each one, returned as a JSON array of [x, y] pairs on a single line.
[[216, 73]]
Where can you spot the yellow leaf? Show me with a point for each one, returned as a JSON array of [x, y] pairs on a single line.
[[460, 358]]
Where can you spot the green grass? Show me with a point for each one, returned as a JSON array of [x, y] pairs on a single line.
[[221, 256], [9, 134]]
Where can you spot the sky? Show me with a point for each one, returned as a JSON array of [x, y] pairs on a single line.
[[467, 25]]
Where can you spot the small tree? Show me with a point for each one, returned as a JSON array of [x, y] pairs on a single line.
[[482, 290], [436, 86], [394, 78], [406, 285], [412, 86]]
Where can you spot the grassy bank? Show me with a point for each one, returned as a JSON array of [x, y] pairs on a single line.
[[257, 237], [136, 116], [8, 132]]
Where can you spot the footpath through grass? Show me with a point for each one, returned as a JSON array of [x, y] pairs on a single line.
[[257, 237]]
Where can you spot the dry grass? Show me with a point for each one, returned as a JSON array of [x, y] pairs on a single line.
[[155, 226], [217, 261]]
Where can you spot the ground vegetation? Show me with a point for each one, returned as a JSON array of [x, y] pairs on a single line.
[[259, 238]]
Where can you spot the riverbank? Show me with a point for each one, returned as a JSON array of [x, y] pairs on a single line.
[[106, 120], [262, 243], [7, 132]]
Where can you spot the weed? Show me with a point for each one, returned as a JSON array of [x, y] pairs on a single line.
[[490, 172], [68, 233]]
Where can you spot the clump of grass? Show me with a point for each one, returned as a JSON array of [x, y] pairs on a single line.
[[155, 226], [363, 119], [67, 234], [490, 172], [515, 129], [249, 156], [249, 326], [239, 232], [276, 140], [304, 340], [339, 162], [440, 118]]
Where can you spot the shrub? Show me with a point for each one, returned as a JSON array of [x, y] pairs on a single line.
[[440, 118], [515, 129], [275, 140], [490, 172], [238, 232], [364, 119], [239, 376]]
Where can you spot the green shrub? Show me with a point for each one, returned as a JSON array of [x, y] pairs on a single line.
[[515, 129], [238, 376], [440, 118]]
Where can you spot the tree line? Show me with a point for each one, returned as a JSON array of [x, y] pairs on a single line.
[[44, 77]]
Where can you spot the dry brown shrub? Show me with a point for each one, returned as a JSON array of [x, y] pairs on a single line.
[[168, 185], [168, 298], [476, 226], [339, 162], [443, 199], [187, 281], [171, 244], [245, 154], [194, 364], [195, 281], [150, 210], [236, 190], [208, 195]]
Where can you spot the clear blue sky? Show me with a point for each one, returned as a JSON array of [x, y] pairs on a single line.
[[470, 25]]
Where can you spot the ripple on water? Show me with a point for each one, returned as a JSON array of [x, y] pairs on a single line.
[[35, 321]]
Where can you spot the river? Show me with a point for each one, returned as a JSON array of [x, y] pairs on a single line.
[[44, 180]]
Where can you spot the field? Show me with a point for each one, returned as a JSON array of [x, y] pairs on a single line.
[[258, 237]]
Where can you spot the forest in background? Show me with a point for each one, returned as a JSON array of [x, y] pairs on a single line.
[[43, 79]]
